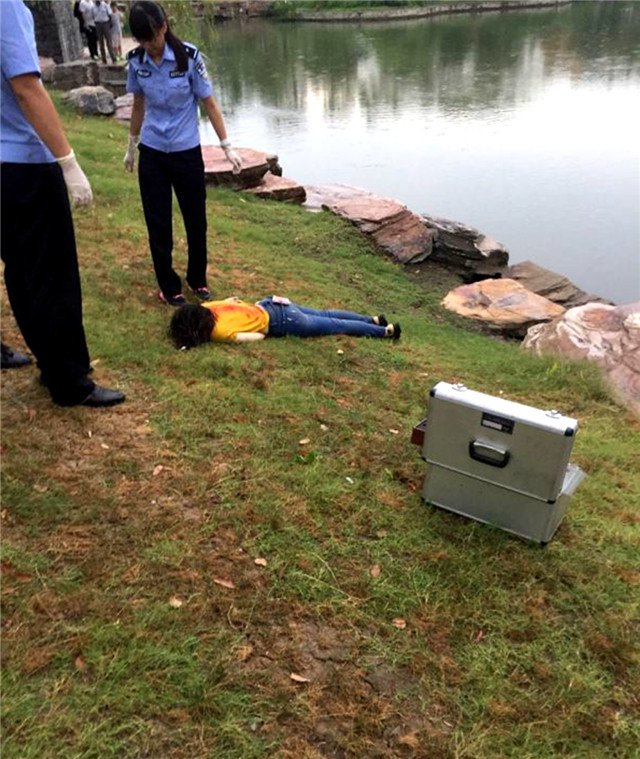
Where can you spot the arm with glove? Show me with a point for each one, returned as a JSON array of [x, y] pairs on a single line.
[[40, 112], [217, 122], [135, 125]]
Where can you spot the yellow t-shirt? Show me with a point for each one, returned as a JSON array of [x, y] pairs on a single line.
[[232, 318]]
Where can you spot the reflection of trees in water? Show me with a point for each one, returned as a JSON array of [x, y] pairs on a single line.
[[466, 62]]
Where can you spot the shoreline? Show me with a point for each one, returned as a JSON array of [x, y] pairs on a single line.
[[387, 14]]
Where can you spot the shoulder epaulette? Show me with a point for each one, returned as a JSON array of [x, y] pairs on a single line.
[[190, 50], [136, 52]]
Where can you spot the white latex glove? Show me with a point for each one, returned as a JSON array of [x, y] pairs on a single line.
[[233, 158], [76, 181], [130, 155]]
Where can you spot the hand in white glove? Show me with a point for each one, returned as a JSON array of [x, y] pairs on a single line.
[[233, 158], [76, 181], [130, 155]]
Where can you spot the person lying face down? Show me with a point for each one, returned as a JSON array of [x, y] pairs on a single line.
[[234, 320]]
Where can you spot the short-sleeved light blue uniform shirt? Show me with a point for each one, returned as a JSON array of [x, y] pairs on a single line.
[[19, 142], [171, 98]]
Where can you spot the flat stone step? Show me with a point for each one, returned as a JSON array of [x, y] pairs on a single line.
[[279, 188], [218, 171]]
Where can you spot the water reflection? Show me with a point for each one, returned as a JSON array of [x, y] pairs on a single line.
[[521, 123]]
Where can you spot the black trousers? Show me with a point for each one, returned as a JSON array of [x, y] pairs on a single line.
[[42, 277], [183, 171], [92, 40]]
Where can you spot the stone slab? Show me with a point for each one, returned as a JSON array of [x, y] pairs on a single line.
[[550, 284], [502, 305], [218, 171], [608, 335], [275, 187]]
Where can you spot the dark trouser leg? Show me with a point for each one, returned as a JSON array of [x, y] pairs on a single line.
[[154, 176], [101, 38], [188, 183], [104, 36], [42, 277], [92, 40]]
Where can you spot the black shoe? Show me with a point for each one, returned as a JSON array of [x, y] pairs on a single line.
[[382, 320], [396, 331], [202, 293], [10, 359], [102, 396], [173, 300]]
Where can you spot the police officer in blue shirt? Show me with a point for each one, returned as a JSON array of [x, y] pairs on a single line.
[[167, 78], [38, 167]]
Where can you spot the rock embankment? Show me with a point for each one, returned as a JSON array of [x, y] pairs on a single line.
[[608, 335], [502, 305], [419, 11]]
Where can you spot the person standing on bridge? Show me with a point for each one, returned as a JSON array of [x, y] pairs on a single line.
[[168, 78]]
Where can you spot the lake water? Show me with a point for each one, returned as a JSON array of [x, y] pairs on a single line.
[[524, 124]]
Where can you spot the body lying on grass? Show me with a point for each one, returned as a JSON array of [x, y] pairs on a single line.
[[235, 320]]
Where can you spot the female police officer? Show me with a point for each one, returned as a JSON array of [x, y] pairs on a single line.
[[167, 78]]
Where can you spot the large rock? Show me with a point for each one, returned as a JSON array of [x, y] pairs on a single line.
[[113, 76], [608, 335], [502, 305], [465, 250], [218, 171], [274, 187], [550, 285], [91, 100], [394, 229], [67, 76], [124, 104]]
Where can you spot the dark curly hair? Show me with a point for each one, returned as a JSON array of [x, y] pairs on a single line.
[[191, 326]]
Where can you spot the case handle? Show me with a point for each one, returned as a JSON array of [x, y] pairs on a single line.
[[489, 454]]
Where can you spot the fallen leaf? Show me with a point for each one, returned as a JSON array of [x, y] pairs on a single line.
[[41, 488], [224, 583], [298, 678], [260, 562], [381, 534], [175, 601], [80, 663], [157, 469], [399, 623], [304, 441], [375, 570], [244, 652], [410, 739]]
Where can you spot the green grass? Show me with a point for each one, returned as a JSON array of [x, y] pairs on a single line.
[[509, 650]]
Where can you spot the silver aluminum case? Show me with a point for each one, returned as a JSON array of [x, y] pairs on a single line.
[[519, 514], [497, 441]]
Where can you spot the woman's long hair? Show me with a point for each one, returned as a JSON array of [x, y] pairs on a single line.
[[145, 19]]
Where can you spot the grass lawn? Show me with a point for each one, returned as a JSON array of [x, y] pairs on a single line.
[[136, 620]]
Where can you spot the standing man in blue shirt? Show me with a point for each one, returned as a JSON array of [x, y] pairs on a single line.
[[37, 169], [102, 16], [167, 78]]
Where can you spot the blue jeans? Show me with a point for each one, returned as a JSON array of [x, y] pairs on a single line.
[[301, 321]]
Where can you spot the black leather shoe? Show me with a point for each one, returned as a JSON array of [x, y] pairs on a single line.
[[10, 359], [102, 396]]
